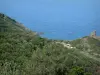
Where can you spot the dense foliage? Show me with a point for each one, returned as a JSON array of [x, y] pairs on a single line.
[[22, 52]]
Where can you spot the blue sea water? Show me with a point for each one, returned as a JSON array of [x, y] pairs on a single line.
[[57, 19], [65, 32]]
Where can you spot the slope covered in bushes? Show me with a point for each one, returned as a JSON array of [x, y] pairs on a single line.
[[22, 52]]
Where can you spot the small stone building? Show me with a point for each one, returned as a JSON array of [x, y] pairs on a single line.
[[93, 34]]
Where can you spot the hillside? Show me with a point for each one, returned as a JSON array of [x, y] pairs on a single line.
[[23, 52]]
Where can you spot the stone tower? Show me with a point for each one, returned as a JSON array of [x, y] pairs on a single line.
[[93, 34]]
